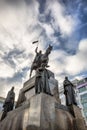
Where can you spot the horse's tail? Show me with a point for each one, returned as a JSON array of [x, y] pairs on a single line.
[[31, 71], [30, 74]]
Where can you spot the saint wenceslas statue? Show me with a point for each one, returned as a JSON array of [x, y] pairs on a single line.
[[40, 64]]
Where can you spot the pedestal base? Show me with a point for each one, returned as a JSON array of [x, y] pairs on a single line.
[[78, 120], [42, 112]]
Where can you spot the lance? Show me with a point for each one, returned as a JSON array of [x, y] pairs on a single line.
[[35, 42]]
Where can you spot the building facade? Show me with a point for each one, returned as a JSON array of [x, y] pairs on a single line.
[[82, 93]]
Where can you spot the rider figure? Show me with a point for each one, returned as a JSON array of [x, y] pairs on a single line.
[[41, 59], [38, 56], [37, 60]]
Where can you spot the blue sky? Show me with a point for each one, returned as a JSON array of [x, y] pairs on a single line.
[[62, 23]]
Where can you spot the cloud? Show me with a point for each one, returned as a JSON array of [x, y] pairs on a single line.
[[57, 64], [63, 21], [62, 63], [22, 22], [6, 71], [78, 63], [18, 28]]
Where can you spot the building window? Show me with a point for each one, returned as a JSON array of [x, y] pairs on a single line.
[[1, 106], [84, 98], [85, 105], [82, 89], [85, 113]]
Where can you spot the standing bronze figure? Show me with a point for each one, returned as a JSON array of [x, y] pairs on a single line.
[[69, 92], [42, 81], [9, 103]]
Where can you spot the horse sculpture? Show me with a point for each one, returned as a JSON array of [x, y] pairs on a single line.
[[42, 60]]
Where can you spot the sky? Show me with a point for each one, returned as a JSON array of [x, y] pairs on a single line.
[[61, 23]]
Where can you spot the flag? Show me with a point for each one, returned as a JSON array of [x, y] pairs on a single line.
[[35, 42]]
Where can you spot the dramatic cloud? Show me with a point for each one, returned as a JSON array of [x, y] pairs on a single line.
[[62, 21], [78, 63], [62, 62], [51, 22]]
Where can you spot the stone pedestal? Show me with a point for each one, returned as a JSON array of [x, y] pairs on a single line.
[[78, 119], [29, 86], [45, 113], [28, 90], [1, 114], [41, 112]]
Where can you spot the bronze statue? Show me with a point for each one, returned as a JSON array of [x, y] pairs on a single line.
[[69, 92], [9, 103], [21, 99], [42, 76], [42, 81], [41, 59]]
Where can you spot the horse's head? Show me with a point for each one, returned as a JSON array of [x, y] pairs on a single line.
[[49, 49]]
